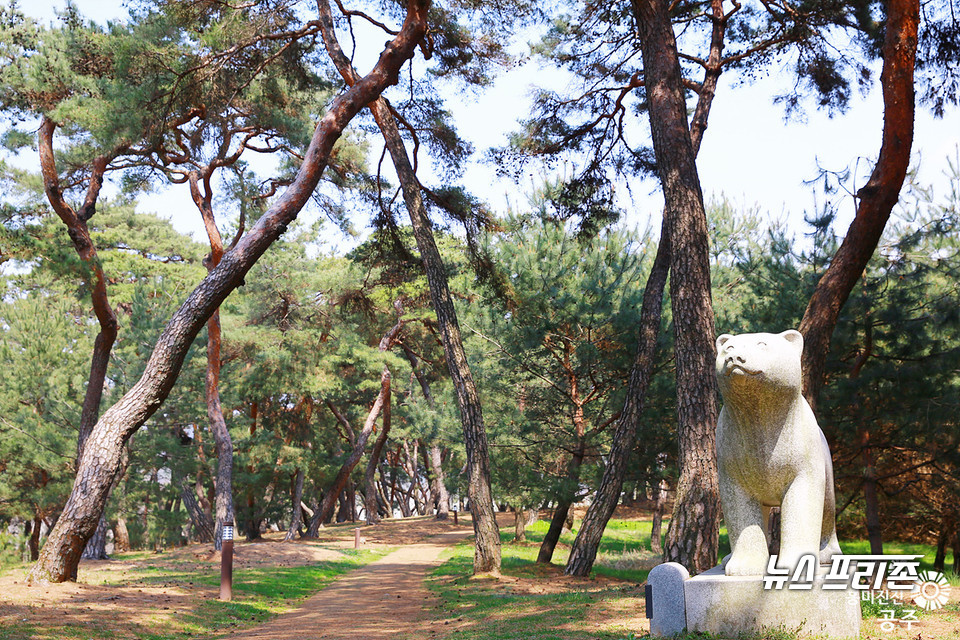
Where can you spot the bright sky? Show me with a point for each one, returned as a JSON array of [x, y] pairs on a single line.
[[749, 152]]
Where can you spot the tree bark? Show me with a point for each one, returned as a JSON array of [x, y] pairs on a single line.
[[76, 223], [876, 199], [520, 525], [584, 550], [121, 536], [693, 532], [99, 464], [552, 537], [487, 549], [297, 518], [96, 548], [870, 498], [656, 527], [34, 542], [218, 427]]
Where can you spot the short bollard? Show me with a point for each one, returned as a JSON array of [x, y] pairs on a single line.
[[356, 538], [226, 562]]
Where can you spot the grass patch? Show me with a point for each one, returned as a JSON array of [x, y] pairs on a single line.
[[928, 551]]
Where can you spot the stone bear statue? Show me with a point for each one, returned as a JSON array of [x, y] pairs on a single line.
[[771, 452]]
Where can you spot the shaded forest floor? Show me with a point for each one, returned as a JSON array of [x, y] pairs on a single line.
[[412, 580]]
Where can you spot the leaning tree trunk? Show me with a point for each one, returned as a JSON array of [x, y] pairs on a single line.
[[369, 475], [487, 549], [876, 199], [76, 223], [202, 524], [564, 503], [100, 462], [584, 550], [332, 493], [693, 532]]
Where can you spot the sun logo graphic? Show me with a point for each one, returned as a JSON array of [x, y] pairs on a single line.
[[932, 592]]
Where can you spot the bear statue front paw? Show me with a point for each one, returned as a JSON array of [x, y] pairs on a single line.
[[746, 564]]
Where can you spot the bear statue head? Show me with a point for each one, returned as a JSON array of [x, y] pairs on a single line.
[[759, 363]]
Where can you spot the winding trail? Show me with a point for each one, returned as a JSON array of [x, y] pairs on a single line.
[[384, 599]]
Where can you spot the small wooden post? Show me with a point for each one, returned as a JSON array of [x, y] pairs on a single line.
[[226, 562], [356, 538]]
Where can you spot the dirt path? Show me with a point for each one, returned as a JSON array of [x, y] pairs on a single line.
[[384, 599]]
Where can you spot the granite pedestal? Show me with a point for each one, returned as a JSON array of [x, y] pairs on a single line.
[[728, 605]]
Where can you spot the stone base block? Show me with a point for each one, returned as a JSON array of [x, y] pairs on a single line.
[[727, 605]]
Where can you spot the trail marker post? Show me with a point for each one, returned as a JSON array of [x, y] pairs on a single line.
[[226, 562]]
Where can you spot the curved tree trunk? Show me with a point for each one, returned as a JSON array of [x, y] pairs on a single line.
[[876, 199], [693, 532], [369, 476], [99, 464], [76, 223]]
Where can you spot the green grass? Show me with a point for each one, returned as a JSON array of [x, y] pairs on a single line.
[[258, 595], [928, 551], [484, 611], [497, 610]]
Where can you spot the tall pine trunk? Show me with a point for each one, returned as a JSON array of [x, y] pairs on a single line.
[[694, 529], [100, 462], [486, 557], [584, 550]]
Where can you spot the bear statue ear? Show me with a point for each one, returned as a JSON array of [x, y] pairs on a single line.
[[795, 338], [722, 340]]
